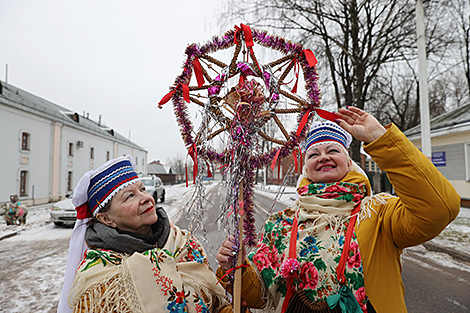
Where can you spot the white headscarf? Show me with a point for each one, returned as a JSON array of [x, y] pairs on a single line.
[[80, 201]]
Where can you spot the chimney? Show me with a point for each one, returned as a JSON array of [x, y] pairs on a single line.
[[99, 120]]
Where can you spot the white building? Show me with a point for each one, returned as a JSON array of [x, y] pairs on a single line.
[[47, 148]]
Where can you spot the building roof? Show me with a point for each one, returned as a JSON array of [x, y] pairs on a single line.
[[459, 117], [155, 167], [22, 100]]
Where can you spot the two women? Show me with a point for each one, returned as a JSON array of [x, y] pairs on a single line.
[[338, 247], [126, 256]]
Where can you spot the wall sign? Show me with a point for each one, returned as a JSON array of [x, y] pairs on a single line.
[[439, 158]]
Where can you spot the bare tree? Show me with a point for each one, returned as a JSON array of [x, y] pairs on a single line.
[[459, 11], [354, 38]]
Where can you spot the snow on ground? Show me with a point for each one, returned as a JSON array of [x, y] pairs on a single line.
[[33, 284]]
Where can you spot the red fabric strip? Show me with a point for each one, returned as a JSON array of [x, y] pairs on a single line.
[[248, 35], [209, 173], [185, 92], [294, 154], [311, 59], [296, 73], [231, 270], [198, 72], [327, 115], [166, 98], [347, 241], [303, 121], [186, 169], [273, 164], [83, 212]]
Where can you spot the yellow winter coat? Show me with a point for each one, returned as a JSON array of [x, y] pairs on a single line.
[[425, 205]]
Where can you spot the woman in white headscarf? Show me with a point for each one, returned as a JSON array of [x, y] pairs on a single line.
[[126, 256], [337, 248]]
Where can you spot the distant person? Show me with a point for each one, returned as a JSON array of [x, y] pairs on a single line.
[[16, 213], [125, 255], [338, 248]]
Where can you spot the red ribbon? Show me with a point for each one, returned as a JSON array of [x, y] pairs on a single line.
[[294, 154], [231, 270], [296, 73], [344, 254], [311, 59], [198, 72], [303, 121], [292, 255], [169, 95], [327, 115], [246, 32], [193, 153], [209, 173], [273, 165], [83, 212]]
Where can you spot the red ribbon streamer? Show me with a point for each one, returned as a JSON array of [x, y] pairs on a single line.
[[296, 73], [209, 173], [311, 59], [327, 115], [231, 270], [198, 72], [294, 154], [193, 153], [169, 95], [292, 255], [303, 121], [246, 32], [83, 212], [344, 254], [273, 165]]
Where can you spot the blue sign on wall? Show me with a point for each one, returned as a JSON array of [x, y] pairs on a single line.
[[439, 158]]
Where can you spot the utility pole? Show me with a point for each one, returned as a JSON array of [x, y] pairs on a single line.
[[423, 82]]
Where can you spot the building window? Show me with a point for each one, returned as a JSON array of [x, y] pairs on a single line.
[[69, 181], [92, 153], [107, 155], [367, 169], [25, 138], [71, 149], [23, 183]]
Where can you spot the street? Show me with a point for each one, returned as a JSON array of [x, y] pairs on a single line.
[[32, 263]]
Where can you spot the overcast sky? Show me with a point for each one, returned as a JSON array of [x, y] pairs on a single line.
[[113, 58]]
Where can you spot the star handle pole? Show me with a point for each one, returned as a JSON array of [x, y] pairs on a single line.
[[237, 284]]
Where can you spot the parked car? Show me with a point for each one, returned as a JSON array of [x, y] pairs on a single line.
[[154, 186], [63, 212]]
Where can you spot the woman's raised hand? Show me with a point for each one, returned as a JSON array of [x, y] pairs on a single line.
[[227, 252], [360, 124]]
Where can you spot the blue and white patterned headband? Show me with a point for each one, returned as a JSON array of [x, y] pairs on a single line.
[[326, 132]]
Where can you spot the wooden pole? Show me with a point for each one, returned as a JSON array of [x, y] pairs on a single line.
[[237, 284]]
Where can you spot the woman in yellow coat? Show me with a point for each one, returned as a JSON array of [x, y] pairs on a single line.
[[338, 248]]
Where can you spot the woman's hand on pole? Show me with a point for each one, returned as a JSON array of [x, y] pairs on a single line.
[[360, 124], [227, 252]]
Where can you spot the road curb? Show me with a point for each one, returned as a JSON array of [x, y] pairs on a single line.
[[455, 254]]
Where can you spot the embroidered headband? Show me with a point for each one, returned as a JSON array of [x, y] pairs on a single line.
[[106, 183], [98, 187], [326, 132]]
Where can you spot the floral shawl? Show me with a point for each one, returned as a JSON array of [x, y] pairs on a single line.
[[323, 212], [176, 278]]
